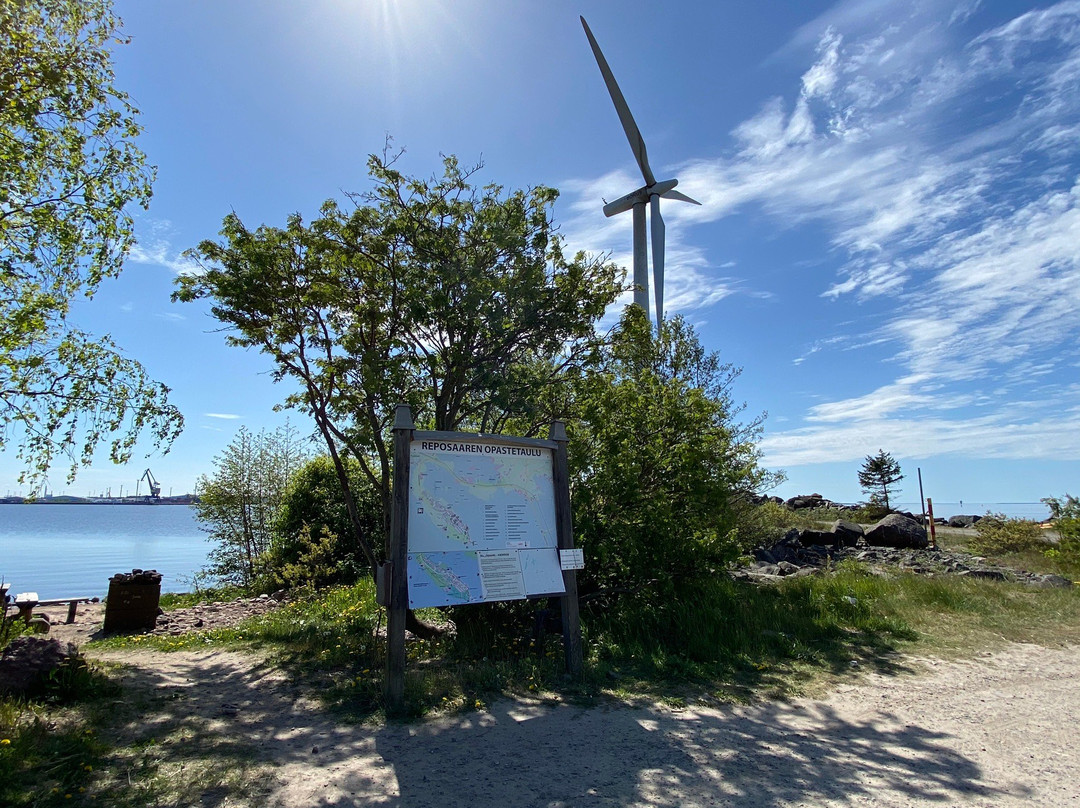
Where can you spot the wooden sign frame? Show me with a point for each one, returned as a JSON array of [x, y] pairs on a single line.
[[396, 581]]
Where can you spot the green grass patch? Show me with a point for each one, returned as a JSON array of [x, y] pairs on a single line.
[[722, 640], [1016, 544], [49, 747], [185, 600]]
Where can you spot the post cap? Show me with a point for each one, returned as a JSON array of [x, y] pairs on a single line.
[[557, 431], [403, 417]]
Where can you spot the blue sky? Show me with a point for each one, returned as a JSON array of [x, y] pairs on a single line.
[[889, 240]]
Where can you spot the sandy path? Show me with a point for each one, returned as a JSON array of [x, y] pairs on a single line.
[[998, 731]]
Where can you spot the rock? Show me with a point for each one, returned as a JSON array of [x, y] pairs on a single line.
[[818, 537], [1051, 581], [787, 568], [801, 502], [963, 521], [761, 554], [988, 574], [39, 624], [896, 530], [27, 661], [847, 534], [791, 539]]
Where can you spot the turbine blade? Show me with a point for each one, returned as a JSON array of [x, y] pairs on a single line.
[[680, 196], [658, 232], [637, 143]]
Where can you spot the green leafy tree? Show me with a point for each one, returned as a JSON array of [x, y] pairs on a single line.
[[311, 536], [660, 464], [69, 173], [453, 298], [879, 476], [240, 503]]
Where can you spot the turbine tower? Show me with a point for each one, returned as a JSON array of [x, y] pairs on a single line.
[[648, 194]]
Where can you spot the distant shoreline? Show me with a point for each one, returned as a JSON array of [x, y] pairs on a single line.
[[181, 499]]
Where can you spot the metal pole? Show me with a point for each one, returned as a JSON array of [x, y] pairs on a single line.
[[922, 502]]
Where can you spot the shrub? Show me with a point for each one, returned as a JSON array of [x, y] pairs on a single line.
[[999, 534], [311, 534], [764, 524], [1065, 514], [658, 460]]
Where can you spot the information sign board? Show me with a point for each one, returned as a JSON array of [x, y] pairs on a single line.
[[481, 522]]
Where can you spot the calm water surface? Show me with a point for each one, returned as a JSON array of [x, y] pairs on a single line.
[[1013, 510], [72, 550]]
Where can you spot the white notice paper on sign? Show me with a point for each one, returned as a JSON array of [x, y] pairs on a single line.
[[572, 559], [500, 575]]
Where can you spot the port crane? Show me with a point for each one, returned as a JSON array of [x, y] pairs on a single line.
[[155, 486]]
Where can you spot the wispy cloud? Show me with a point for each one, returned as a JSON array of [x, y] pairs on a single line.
[[228, 416], [942, 163], [157, 250]]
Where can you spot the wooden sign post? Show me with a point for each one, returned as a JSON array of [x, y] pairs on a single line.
[[398, 593], [564, 523]]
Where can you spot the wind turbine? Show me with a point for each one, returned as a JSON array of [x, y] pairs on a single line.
[[648, 194]]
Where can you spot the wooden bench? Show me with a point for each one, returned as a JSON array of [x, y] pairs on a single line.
[[73, 604], [26, 602]]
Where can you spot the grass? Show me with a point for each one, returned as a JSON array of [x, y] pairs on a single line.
[[185, 600], [98, 751], [49, 747], [723, 641]]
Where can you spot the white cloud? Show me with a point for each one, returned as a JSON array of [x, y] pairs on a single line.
[[942, 163], [228, 416], [159, 252], [820, 79]]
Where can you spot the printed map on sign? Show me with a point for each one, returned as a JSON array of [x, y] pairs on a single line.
[[481, 523]]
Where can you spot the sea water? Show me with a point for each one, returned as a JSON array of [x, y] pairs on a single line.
[[72, 550], [1036, 511]]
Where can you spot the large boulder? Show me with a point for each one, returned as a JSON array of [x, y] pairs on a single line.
[[897, 530], [963, 521], [27, 662], [847, 534], [805, 501], [820, 538]]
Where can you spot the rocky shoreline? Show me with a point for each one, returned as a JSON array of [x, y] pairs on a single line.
[[801, 553]]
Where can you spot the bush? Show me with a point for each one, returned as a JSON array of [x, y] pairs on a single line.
[[764, 524], [999, 534], [658, 460], [311, 543], [1065, 514]]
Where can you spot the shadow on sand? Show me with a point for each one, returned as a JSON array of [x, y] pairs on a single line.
[[221, 714]]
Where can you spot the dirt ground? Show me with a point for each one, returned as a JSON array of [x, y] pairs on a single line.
[[996, 731]]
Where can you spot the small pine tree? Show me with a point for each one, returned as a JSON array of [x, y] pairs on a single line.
[[878, 477]]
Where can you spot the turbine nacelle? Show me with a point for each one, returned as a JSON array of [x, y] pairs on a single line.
[[642, 194]]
